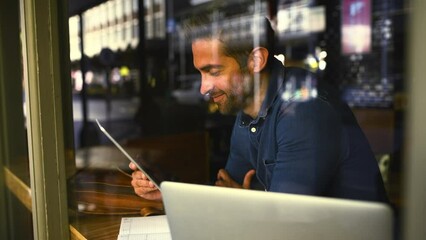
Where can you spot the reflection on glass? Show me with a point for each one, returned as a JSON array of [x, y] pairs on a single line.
[[14, 150], [153, 94]]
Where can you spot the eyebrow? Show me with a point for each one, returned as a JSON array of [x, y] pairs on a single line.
[[208, 67]]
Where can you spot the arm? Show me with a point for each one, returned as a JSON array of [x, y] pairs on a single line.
[[308, 141]]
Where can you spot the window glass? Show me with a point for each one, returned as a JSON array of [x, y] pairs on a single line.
[[16, 200], [182, 114]]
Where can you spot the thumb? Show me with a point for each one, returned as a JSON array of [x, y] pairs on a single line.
[[132, 166], [247, 178]]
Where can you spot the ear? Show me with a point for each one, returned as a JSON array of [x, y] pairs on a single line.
[[258, 59]]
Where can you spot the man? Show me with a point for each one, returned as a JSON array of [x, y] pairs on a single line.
[[292, 134]]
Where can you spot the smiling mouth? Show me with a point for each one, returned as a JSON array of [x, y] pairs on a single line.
[[216, 98]]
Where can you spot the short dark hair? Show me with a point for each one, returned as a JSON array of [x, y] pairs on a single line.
[[236, 43]]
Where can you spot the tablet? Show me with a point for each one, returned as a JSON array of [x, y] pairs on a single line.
[[155, 178]]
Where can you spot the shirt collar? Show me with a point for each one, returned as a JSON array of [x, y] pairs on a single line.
[[275, 84], [274, 88]]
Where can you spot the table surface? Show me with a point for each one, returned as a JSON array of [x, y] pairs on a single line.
[[102, 193], [96, 227]]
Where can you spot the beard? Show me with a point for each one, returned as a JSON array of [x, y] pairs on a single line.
[[239, 97]]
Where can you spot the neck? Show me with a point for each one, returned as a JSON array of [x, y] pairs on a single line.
[[260, 85]]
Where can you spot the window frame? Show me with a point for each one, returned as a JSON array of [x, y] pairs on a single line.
[[43, 38]]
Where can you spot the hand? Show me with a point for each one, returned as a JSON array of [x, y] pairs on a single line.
[[142, 186], [225, 180]]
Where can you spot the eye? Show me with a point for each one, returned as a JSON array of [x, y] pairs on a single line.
[[214, 73]]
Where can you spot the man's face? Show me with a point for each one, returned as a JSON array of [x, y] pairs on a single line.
[[221, 76]]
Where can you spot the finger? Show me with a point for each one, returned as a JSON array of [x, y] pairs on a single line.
[[134, 183], [219, 183], [143, 176], [142, 191], [132, 166], [138, 175], [222, 177], [143, 187], [146, 184], [153, 195], [225, 180], [222, 174], [247, 178], [139, 182]]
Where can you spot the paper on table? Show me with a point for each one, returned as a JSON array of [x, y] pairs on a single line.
[[144, 228]]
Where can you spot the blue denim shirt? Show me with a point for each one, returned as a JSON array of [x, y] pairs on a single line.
[[305, 143]]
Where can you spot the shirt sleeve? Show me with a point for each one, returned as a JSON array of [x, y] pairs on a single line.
[[308, 141]]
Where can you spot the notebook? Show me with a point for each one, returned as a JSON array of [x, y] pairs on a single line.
[[147, 228], [154, 177], [207, 212]]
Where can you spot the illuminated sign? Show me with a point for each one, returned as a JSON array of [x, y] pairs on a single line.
[[295, 21], [356, 26]]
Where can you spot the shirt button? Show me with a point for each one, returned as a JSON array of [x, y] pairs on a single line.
[[253, 129]]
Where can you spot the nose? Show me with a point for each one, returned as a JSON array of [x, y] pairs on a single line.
[[206, 84]]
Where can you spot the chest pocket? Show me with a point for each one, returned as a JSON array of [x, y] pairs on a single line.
[[268, 165]]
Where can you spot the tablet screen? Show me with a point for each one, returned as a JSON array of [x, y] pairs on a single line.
[[153, 176]]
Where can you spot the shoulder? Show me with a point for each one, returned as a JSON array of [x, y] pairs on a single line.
[[303, 89], [299, 85]]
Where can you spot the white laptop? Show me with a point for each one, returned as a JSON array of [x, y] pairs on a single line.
[[196, 212]]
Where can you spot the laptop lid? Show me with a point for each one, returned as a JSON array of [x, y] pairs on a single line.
[[207, 212]]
